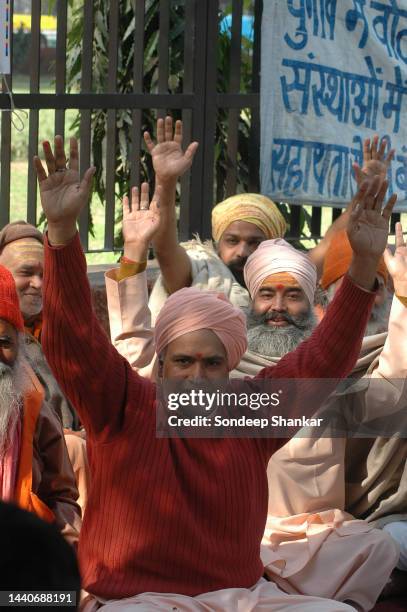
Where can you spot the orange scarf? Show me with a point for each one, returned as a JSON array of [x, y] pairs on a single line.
[[24, 496], [35, 328]]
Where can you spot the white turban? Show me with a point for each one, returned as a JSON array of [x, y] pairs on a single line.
[[275, 256]]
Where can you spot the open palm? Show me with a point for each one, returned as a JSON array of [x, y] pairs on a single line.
[[375, 162], [141, 221], [368, 226], [62, 193], [397, 263], [169, 159]]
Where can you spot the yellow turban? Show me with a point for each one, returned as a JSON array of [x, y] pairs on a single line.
[[252, 208]]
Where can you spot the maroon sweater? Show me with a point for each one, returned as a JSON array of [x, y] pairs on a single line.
[[169, 515]]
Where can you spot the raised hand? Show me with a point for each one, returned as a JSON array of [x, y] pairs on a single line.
[[375, 163], [142, 218], [397, 263], [368, 226], [169, 160], [63, 195]]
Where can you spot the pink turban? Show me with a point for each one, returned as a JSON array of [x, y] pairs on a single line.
[[190, 309], [274, 256]]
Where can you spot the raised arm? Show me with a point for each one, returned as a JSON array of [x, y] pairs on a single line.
[[170, 162], [89, 369], [375, 163], [332, 349], [126, 288], [393, 358]]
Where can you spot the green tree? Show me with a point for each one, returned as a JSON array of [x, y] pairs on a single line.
[[150, 85]]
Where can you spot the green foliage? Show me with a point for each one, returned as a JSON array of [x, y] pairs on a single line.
[[124, 84], [21, 49]]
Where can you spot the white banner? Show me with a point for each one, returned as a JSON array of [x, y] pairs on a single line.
[[5, 36], [333, 73]]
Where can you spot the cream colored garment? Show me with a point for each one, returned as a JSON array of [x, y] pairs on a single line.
[[76, 446], [264, 596], [307, 529], [130, 321], [208, 272], [375, 469]]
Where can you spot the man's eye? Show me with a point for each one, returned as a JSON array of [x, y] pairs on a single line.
[[213, 363], [5, 343], [231, 241], [182, 360]]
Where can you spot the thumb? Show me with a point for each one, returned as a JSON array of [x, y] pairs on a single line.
[[388, 257], [359, 174]]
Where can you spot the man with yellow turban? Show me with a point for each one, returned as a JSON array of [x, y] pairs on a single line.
[[177, 522]]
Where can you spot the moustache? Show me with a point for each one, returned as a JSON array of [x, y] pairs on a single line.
[[238, 263], [300, 321], [5, 369]]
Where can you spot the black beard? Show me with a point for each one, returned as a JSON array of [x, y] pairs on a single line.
[[278, 341], [234, 267]]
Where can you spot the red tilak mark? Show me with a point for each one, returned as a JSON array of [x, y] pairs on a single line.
[[279, 287], [198, 355]]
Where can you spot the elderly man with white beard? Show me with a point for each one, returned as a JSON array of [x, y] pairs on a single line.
[[35, 471]]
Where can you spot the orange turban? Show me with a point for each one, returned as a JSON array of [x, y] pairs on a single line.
[[252, 208], [338, 259], [190, 309]]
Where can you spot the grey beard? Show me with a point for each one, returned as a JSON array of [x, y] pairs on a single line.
[[277, 341], [379, 316], [12, 386], [379, 319]]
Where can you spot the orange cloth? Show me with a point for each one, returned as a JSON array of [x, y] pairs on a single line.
[[35, 328], [24, 496], [338, 259], [402, 299], [128, 267]]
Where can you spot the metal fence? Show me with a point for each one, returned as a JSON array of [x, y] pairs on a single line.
[[200, 104]]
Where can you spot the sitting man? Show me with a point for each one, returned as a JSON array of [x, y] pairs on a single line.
[[185, 539], [282, 283], [22, 252], [376, 467], [35, 471]]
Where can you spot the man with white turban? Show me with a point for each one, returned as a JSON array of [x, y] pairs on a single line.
[[177, 522], [239, 224]]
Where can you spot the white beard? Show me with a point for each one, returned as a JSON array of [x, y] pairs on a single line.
[[12, 386]]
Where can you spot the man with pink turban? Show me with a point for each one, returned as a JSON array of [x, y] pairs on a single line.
[[177, 522]]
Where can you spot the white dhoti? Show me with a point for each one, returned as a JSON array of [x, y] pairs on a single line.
[[264, 596], [350, 562]]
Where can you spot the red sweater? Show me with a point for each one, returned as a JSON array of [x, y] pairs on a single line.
[[169, 515]]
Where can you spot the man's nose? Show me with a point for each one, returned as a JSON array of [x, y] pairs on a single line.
[[242, 250], [277, 304], [196, 371], [36, 282]]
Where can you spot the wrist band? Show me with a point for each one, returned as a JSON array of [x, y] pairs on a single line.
[[130, 268]]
